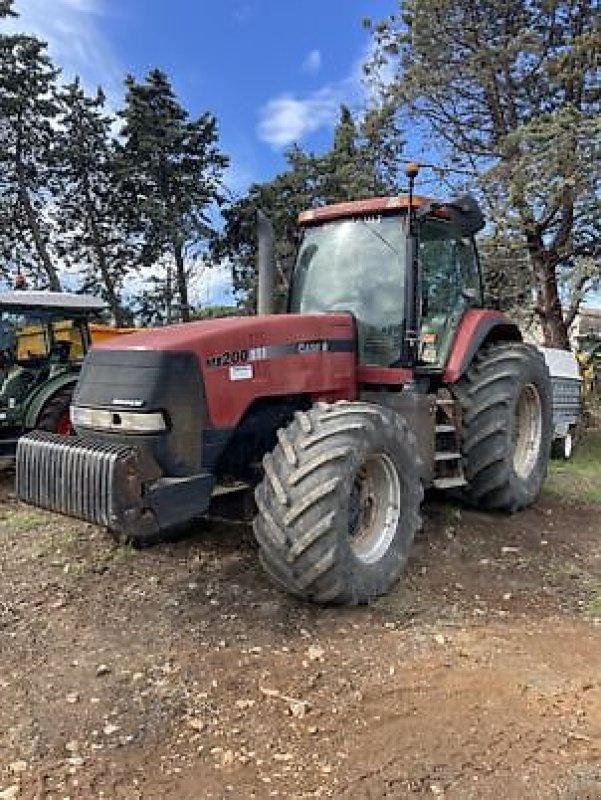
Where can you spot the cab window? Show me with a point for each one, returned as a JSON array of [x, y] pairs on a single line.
[[451, 284]]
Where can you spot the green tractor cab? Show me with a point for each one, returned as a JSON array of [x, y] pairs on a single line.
[[44, 337]]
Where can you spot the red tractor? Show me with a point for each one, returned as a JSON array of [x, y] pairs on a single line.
[[385, 377]]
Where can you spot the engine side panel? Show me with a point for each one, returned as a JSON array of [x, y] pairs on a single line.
[[244, 359]]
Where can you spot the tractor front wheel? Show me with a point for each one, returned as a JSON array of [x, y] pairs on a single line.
[[339, 503], [506, 430]]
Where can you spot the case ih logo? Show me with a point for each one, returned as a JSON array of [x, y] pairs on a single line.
[[232, 357]]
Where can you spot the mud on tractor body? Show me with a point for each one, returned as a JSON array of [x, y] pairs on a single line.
[[386, 377]]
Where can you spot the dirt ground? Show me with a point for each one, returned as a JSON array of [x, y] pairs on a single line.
[[179, 672]]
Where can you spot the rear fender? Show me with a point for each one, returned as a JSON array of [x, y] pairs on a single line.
[[477, 328], [43, 393]]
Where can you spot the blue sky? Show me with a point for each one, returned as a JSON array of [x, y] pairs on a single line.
[[272, 71]]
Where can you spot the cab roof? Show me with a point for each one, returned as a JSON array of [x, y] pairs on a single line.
[[52, 301], [363, 208]]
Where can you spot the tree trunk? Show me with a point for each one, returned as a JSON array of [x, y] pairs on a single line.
[[32, 221], [182, 282], [34, 227], [109, 284], [548, 307]]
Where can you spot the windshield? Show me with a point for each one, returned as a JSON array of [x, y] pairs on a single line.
[[358, 266]]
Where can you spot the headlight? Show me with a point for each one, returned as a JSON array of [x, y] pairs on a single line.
[[126, 421]]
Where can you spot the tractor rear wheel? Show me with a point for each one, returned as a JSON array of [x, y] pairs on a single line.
[[339, 503], [506, 427], [55, 414]]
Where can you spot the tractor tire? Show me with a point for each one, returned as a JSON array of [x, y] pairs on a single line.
[[338, 506], [54, 416], [506, 429]]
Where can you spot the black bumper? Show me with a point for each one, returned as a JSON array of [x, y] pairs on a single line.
[[114, 485]]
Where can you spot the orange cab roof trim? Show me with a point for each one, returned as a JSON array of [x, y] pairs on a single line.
[[358, 208]]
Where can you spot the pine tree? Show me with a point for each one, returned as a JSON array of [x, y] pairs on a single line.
[[382, 146], [90, 207], [27, 117], [364, 158], [282, 199], [171, 171]]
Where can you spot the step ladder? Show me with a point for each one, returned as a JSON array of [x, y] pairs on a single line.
[[448, 467]]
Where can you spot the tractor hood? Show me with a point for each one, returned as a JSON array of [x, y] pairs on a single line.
[[236, 359]]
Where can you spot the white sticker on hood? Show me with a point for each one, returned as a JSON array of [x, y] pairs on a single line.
[[242, 372]]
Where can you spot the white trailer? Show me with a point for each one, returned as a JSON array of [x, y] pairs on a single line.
[[567, 399]]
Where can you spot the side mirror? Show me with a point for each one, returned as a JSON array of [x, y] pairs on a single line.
[[466, 215]]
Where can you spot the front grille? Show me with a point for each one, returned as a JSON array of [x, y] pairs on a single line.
[[73, 475], [566, 400]]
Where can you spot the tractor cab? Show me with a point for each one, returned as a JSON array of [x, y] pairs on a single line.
[[407, 270], [44, 337]]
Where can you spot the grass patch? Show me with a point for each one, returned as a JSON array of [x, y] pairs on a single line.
[[26, 521], [579, 478], [52, 542], [593, 607]]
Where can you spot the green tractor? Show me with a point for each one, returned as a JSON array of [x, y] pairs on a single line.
[[44, 337]]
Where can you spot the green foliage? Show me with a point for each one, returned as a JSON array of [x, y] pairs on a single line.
[[510, 92], [27, 119], [74, 197], [6, 8], [91, 213], [282, 199], [170, 169], [215, 312]]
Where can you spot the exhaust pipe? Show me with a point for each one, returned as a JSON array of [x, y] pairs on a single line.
[[265, 265]]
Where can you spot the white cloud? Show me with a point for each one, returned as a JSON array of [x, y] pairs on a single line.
[[75, 39], [312, 63], [287, 119]]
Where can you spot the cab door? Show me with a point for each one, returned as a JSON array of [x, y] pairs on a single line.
[[451, 284]]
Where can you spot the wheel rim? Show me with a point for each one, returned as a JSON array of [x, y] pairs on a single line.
[[528, 431], [374, 508]]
